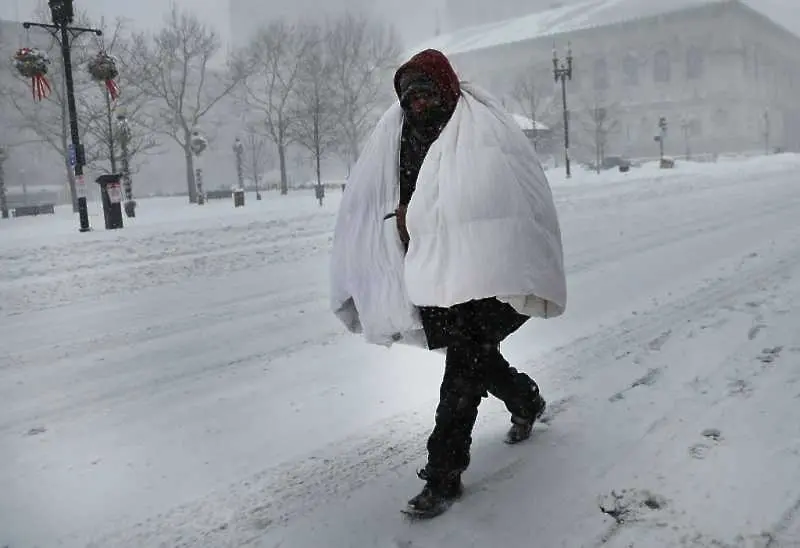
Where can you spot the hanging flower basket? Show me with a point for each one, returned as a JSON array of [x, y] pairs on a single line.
[[103, 68], [33, 63]]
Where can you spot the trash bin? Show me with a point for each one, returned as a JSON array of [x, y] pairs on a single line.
[[319, 193], [238, 197], [111, 192]]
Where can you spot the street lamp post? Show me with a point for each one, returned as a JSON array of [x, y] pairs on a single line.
[[661, 137], [254, 145], [198, 143], [238, 149], [686, 127], [767, 131], [563, 71], [63, 14], [238, 194], [124, 132]]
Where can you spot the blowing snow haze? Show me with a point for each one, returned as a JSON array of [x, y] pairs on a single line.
[[191, 379], [234, 19], [415, 20]]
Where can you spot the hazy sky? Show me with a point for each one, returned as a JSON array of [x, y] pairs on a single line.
[[147, 14]]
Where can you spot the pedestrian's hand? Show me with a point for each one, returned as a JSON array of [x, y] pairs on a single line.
[[400, 215]]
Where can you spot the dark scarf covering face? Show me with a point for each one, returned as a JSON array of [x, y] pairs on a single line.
[[428, 90]]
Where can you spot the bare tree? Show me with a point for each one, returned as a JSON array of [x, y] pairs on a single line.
[[363, 52], [172, 68], [101, 129], [257, 157], [276, 55], [534, 99], [598, 122], [315, 114]]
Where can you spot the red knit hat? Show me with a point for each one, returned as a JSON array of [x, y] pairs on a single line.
[[437, 67]]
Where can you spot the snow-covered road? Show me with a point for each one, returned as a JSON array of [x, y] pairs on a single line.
[[182, 382]]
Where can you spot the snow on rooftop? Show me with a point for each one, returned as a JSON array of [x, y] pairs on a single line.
[[584, 15]]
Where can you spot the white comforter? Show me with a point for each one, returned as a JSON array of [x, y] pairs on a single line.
[[482, 224]]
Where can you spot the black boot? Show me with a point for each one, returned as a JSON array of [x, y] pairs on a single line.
[[440, 491], [522, 425]]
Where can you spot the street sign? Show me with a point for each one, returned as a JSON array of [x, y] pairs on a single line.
[[80, 186]]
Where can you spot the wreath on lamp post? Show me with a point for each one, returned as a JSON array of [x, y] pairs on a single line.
[[103, 69], [33, 63]]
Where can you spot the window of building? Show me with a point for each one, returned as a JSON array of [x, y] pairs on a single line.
[[600, 74], [694, 63], [630, 70], [662, 69]]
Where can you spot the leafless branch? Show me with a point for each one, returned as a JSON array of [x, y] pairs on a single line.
[[173, 69], [275, 57], [533, 99], [363, 54], [598, 119], [315, 113]]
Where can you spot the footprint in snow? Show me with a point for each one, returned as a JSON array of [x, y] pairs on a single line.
[[754, 331], [648, 379], [699, 451], [630, 505], [656, 344], [712, 434], [769, 355], [555, 408], [35, 431], [740, 387]]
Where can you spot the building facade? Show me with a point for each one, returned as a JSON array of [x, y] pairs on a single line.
[[724, 75]]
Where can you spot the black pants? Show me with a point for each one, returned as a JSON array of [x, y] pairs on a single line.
[[474, 368]]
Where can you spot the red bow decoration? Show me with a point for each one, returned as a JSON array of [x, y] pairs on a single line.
[[41, 87], [113, 89]]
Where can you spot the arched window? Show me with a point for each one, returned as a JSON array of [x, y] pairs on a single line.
[[694, 63], [600, 74], [662, 69], [630, 70]]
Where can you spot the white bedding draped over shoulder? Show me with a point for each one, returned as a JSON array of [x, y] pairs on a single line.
[[482, 224]]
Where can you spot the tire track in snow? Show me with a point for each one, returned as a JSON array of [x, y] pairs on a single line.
[[678, 231], [242, 514], [789, 519], [653, 323]]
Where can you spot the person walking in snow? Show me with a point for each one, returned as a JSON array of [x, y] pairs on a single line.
[[472, 250]]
